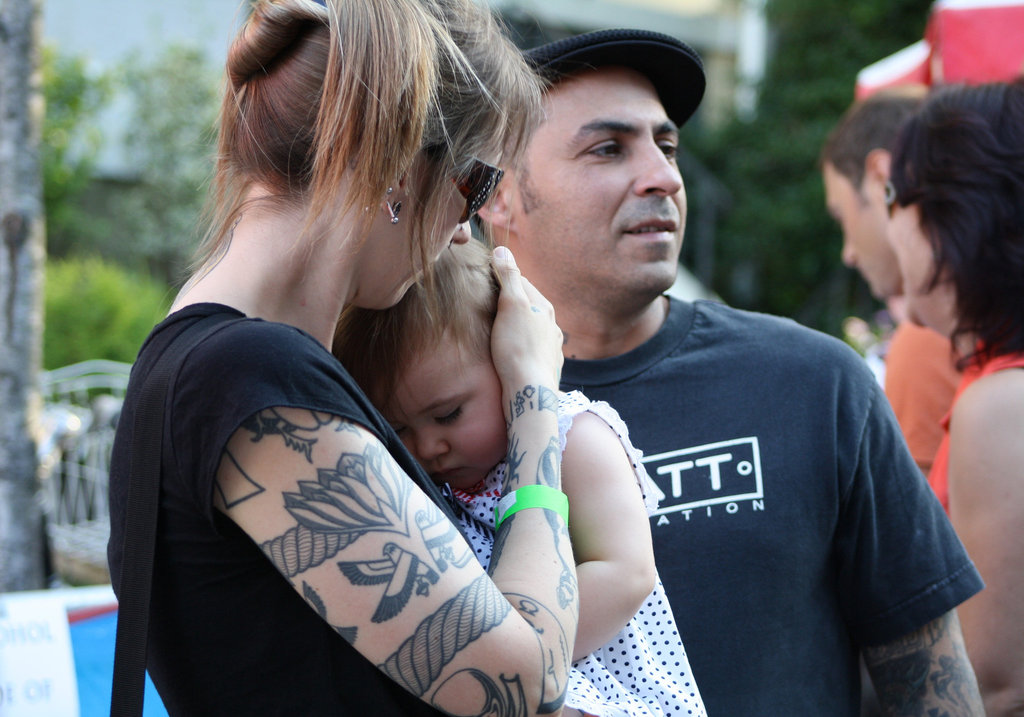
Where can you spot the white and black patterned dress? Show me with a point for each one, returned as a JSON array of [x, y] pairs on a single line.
[[641, 671]]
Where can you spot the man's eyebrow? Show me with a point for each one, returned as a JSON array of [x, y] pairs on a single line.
[[667, 127], [622, 127]]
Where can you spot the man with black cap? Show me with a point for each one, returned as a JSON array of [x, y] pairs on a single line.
[[796, 534]]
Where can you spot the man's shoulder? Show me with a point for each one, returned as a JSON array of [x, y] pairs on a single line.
[[730, 326], [707, 336]]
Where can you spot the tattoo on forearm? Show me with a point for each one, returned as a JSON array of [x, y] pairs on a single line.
[[336, 509], [550, 465], [442, 539], [420, 659], [540, 398], [297, 437], [926, 672], [400, 569], [313, 598], [544, 622], [504, 700], [548, 468], [512, 461], [363, 494], [300, 549], [567, 591], [241, 491]]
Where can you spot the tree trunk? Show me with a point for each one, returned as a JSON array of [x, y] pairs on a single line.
[[22, 257]]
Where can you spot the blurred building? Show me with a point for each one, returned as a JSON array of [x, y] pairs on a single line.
[[729, 34]]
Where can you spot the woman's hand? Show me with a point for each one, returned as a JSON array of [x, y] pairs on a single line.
[[526, 343]]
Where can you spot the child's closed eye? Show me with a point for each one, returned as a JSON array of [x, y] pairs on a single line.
[[451, 417]]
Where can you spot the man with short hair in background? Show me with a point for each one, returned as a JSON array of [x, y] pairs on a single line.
[[920, 371]]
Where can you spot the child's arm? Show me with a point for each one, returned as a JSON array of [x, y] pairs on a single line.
[[610, 530]]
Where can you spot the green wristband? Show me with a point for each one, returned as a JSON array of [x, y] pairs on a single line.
[[531, 496]]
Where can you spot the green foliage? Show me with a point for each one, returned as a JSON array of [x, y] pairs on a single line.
[[95, 309], [70, 144], [776, 249], [172, 142], [146, 221]]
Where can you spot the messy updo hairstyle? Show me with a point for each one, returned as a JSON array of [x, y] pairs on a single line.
[[961, 161], [376, 347], [321, 90]]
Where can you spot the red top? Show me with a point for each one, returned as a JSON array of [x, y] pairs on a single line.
[[939, 475]]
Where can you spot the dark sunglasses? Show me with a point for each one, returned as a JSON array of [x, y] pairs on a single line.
[[477, 185]]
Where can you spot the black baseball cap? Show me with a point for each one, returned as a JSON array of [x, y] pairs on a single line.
[[673, 67]]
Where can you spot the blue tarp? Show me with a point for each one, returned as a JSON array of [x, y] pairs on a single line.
[[92, 642]]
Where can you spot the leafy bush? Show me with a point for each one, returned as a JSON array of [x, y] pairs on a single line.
[[145, 218], [777, 250], [71, 141], [97, 310], [171, 140]]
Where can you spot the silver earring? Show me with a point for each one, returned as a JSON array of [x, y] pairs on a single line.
[[393, 209]]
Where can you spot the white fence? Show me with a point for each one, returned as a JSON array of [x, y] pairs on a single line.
[[81, 405]]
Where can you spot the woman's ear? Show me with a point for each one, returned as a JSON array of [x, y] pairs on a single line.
[[496, 215]]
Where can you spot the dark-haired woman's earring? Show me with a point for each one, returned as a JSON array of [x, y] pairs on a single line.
[[393, 209]]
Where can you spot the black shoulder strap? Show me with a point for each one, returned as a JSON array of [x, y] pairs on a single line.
[[140, 522]]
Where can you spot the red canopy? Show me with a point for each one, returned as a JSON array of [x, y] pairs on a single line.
[[964, 41]]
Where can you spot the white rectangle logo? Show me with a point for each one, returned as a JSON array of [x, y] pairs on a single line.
[[712, 474]]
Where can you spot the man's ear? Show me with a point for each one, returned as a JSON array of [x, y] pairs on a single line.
[[876, 173], [497, 213]]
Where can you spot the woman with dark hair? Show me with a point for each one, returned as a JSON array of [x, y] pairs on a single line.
[[957, 203], [304, 563]]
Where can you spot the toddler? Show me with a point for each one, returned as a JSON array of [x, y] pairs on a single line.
[[428, 367]]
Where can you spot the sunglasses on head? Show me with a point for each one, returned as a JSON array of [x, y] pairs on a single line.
[[476, 186]]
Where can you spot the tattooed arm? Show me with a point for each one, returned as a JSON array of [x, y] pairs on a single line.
[[532, 547], [377, 560], [380, 563], [926, 672]]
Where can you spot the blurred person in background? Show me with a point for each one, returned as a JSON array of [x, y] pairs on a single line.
[[957, 200], [919, 372]]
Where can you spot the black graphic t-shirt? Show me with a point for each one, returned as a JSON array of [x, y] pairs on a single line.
[[796, 527], [228, 634]]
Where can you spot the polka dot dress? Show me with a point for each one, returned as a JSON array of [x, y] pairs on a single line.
[[643, 671]]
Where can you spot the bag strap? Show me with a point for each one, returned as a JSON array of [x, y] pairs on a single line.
[[140, 521]]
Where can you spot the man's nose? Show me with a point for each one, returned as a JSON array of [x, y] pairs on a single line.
[[658, 174]]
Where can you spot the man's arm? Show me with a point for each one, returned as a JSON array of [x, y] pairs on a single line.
[[926, 672]]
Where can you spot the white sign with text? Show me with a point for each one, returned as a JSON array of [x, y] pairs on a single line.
[[37, 668]]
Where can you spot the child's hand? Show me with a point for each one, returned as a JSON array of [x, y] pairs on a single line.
[[526, 343]]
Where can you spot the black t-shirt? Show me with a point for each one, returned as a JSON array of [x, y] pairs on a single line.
[[796, 528], [228, 633]]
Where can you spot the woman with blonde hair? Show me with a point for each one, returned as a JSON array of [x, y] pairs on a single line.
[[304, 564]]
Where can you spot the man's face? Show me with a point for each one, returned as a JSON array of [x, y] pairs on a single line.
[[597, 208], [863, 222]]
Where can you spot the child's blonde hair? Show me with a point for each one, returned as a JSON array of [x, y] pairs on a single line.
[[376, 347]]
